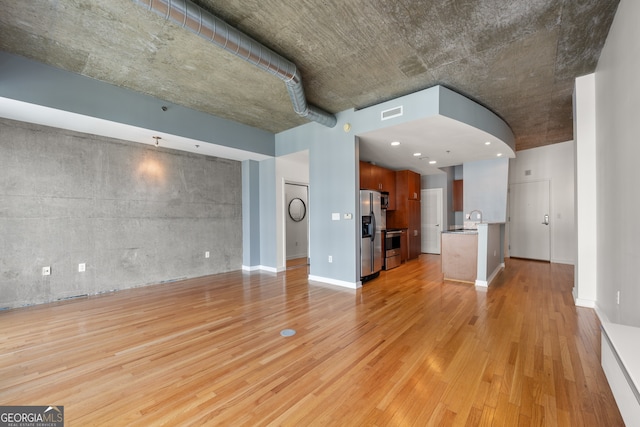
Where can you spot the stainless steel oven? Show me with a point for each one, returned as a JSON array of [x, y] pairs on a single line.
[[392, 247]]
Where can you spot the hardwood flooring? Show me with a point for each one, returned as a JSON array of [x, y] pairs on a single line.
[[408, 349]]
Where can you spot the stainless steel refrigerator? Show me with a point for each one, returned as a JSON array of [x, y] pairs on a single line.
[[373, 222]]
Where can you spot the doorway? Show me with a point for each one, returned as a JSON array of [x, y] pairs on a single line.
[[529, 234], [296, 209], [431, 211]]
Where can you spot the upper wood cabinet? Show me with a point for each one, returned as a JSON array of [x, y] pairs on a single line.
[[457, 195], [365, 176], [377, 178], [407, 185]]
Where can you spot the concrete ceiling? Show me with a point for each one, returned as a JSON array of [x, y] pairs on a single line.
[[518, 58]]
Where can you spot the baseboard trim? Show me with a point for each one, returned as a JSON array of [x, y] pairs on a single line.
[[581, 302], [486, 283], [341, 283], [261, 268]]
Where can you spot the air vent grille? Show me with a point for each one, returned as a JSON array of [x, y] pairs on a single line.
[[391, 113]]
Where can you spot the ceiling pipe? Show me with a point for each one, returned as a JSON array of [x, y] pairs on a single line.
[[197, 20]]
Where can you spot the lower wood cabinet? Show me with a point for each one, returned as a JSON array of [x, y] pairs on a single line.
[[414, 232]]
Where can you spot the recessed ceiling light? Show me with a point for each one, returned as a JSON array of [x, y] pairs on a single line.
[[417, 154], [487, 143], [499, 154], [394, 143], [432, 162]]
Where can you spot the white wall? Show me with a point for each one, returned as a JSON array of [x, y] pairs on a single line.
[[618, 155], [555, 164], [586, 201]]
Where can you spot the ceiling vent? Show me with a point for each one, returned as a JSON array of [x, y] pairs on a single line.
[[391, 113]]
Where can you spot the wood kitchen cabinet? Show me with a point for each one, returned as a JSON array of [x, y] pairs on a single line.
[[377, 178], [458, 188], [366, 181], [408, 182], [404, 247], [389, 185], [407, 212], [414, 232]]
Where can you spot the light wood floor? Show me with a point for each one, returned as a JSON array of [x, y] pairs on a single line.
[[407, 349]]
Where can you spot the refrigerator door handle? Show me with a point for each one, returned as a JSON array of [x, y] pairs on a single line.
[[373, 226]]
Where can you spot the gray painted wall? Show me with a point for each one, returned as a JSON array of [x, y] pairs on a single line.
[[618, 203], [250, 214], [36, 83], [333, 186], [134, 214], [485, 188], [333, 164], [267, 230]]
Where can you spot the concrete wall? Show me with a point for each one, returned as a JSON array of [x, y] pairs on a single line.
[[554, 163], [136, 215], [617, 128]]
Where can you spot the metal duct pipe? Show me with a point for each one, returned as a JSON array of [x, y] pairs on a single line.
[[192, 17]]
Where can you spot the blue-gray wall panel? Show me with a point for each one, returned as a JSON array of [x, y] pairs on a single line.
[[36, 83]]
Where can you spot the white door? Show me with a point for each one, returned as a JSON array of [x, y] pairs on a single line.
[[431, 212], [296, 211], [529, 235]]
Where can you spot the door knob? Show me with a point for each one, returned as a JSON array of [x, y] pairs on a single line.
[[546, 220]]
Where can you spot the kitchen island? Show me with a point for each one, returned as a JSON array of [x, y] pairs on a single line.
[[460, 255], [473, 255]]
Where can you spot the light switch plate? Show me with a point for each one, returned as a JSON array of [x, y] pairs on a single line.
[[348, 216], [335, 216]]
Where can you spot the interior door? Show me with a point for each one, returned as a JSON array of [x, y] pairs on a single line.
[[529, 235], [431, 219], [296, 221]]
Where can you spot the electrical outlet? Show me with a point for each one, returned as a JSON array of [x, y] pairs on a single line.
[[46, 271], [330, 258], [206, 254], [82, 267]]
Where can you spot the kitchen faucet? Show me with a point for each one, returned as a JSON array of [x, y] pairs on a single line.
[[471, 213]]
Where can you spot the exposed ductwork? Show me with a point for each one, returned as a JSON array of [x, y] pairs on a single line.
[[199, 21]]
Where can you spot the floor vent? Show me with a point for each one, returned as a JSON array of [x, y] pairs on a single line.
[[391, 113]]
